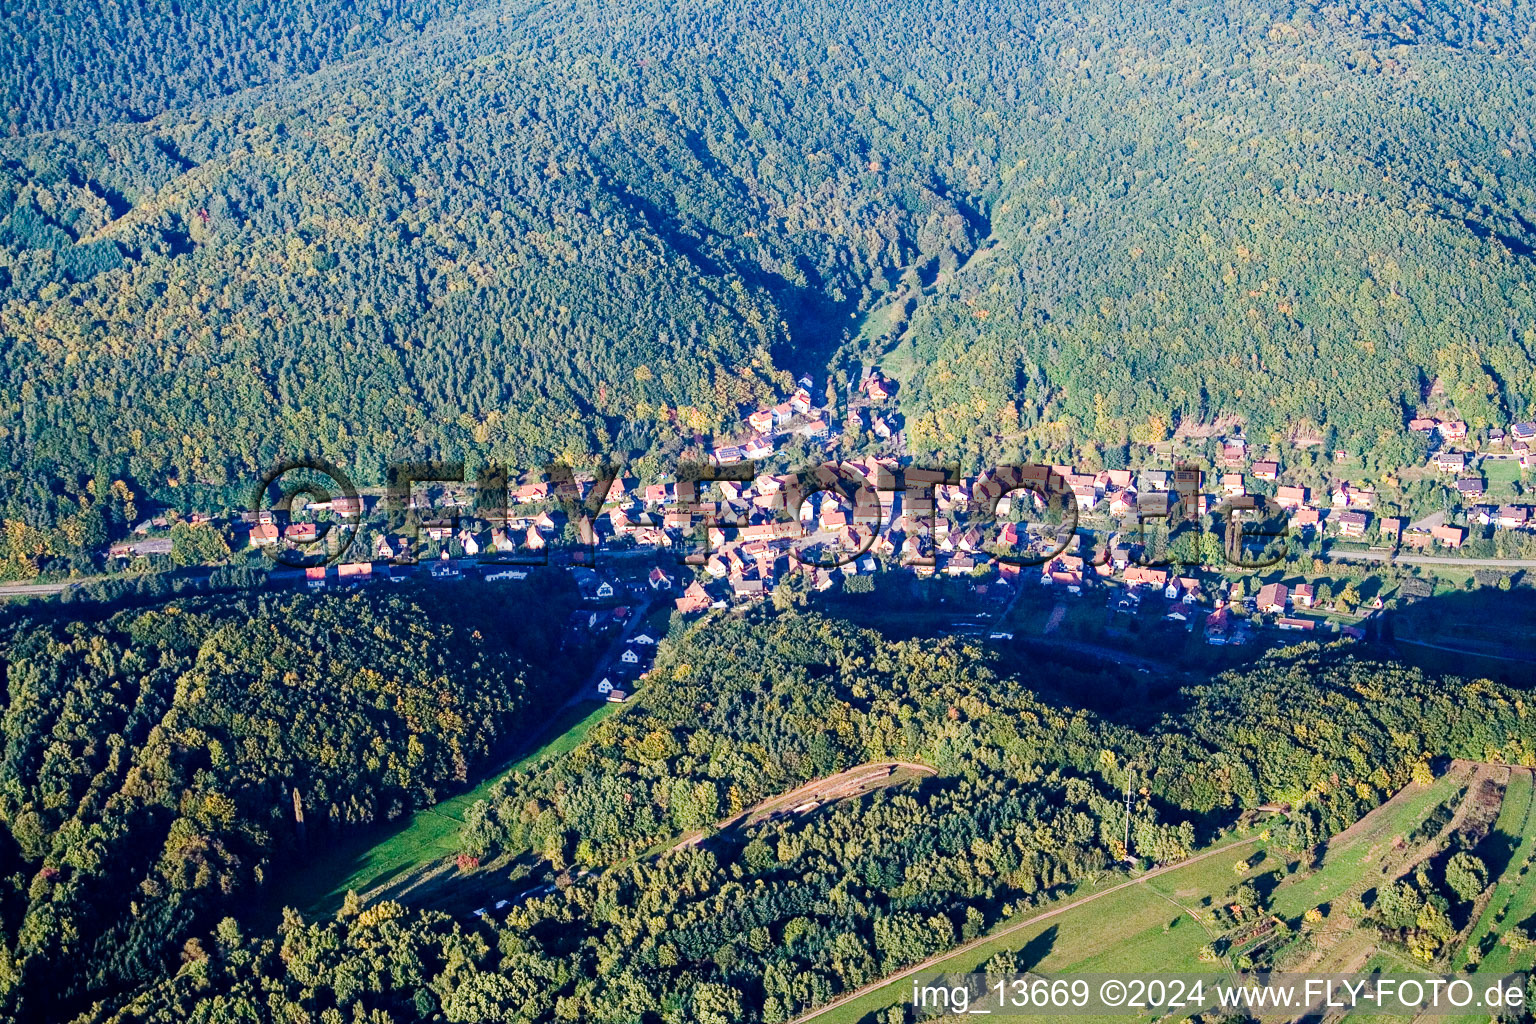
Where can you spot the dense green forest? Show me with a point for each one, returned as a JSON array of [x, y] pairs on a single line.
[[373, 230], [526, 232], [763, 923], [153, 760], [96, 63], [751, 708]]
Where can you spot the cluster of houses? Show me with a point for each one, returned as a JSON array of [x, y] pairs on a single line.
[[621, 677], [760, 529], [752, 530], [796, 414], [1519, 439]]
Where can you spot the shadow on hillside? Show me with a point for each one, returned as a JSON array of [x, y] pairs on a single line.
[[1034, 952]]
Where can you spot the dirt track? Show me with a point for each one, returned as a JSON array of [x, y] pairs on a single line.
[[849, 782]]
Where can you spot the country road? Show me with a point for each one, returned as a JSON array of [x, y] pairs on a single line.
[[196, 574], [39, 589], [975, 943], [1410, 559]]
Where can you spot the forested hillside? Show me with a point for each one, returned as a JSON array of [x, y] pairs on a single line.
[[1294, 217], [764, 923], [746, 709], [93, 62], [528, 231], [152, 761]]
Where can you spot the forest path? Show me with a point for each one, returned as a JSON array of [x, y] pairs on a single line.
[[853, 781]]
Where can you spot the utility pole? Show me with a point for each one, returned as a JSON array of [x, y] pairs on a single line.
[[1128, 811]]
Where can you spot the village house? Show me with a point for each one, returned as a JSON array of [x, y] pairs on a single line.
[[1353, 524], [833, 519], [1138, 575], [1471, 487], [747, 590], [1266, 470], [1390, 527], [1450, 536], [1450, 462], [1272, 597], [1303, 594], [1452, 430], [1513, 517], [695, 599], [141, 548], [1306, 519], [948, 497], [1218, 626], [263, 535], [1073, 581], [1117, 478], [1291, 497]]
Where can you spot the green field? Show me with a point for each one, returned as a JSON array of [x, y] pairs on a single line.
[[1500, 473], [374, 857], [1155, 927], [1153, 932], [1514, 897], [1354, 858]]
